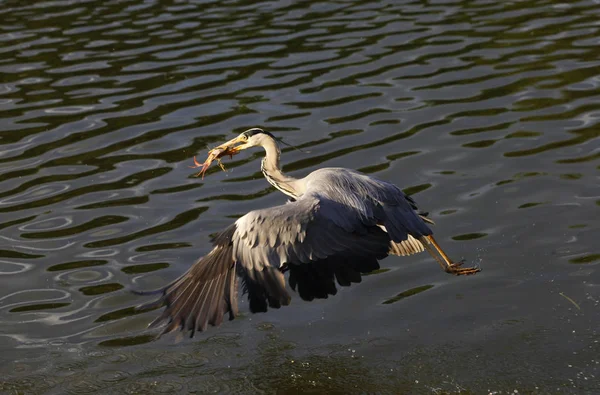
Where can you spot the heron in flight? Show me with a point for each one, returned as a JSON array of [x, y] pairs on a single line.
[[337, 225]]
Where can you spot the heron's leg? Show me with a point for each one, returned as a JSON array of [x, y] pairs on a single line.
[[445, 262]]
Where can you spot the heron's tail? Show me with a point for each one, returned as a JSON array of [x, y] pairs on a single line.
[[407, 247], [203, 295]]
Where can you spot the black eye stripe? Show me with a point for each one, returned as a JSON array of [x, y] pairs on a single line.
[[254, 131]]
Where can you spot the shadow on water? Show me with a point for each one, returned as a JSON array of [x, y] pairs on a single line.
[[486, 112]]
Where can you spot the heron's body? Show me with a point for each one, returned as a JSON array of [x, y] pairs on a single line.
[[338, 225]]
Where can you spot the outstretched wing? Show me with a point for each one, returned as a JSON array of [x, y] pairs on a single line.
[[317, 240]]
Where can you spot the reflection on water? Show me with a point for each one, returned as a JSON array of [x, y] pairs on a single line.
[[487, 112]]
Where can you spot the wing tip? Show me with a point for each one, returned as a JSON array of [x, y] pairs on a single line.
[[200, 297]]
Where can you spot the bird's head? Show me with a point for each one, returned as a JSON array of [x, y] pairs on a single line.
[[250, 138]]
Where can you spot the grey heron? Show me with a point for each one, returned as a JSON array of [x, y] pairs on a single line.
[[338, 224]]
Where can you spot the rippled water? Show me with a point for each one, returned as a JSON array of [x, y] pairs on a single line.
[[487, 111]]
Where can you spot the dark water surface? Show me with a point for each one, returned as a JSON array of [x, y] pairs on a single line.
[[487, 111]]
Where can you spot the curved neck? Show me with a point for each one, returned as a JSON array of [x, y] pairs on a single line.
[[271, 168]]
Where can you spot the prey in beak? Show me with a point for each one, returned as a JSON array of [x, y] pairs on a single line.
[[227, 149]]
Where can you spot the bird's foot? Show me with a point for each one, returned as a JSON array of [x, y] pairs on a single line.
[[456, 269]]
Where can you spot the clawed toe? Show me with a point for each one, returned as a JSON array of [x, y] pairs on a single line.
[[456, 269], [458, 264]]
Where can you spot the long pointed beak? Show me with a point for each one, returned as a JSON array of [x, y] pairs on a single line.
[[231, 145]]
